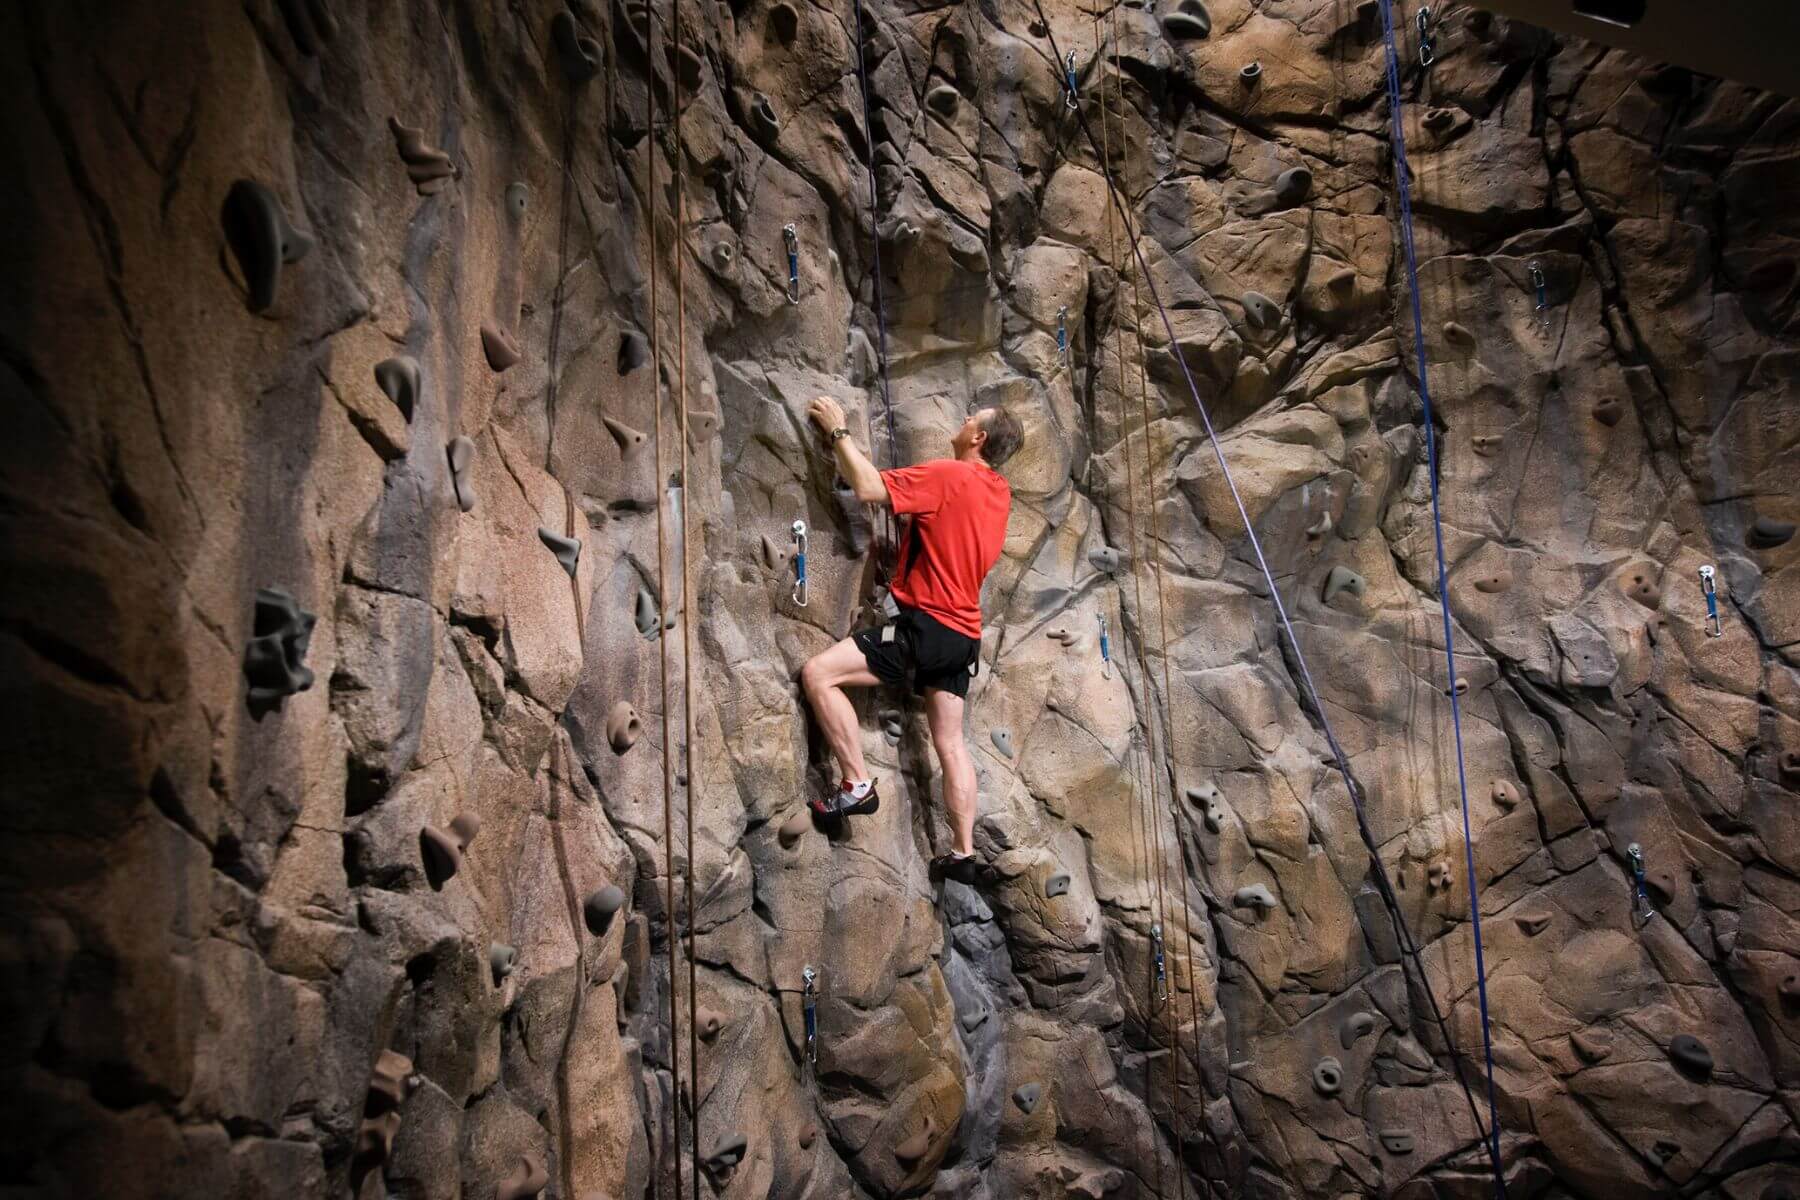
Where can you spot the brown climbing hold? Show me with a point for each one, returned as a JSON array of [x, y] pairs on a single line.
[[390, 1082], [634, 351], [1341, 579], [391, 1078], [1493, 582], [917, 1146], [785, 21], [1768, 533], [1260, 311], [1250, 72], [398, 379], [1320, 527], [527, 1179], [627, 438], [1354, 1028], [1437, 877], [600, 906], [1532, 924], [461, 452], [690, 67], [1486, 444], [578, 53], [763, 115], [1342, 281], [1690, 1054], [442, 850], [708, 1024], [794, 828], [1458, 334], [1592, 1045], [1293, 185], [702, 428], [502, 352], [261, 240], [1061, 635], [1439, 119], [943, 100], [1638, 584], [808, 1136], [427, 166], [622, 727], [1505, 794], [1609, 411], [1189, 22]]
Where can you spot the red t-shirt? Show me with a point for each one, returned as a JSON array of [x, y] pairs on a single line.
[[958, 512]]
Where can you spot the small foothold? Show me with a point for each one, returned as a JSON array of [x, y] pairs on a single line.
[[1396, 1141], [1056, 885], [1343, 579], [915, 1147], [442, 850], [1211, 803], [1342, 281], [599, 908], [943, 100], [578, 53], [1027, 1097], [794, 828], [762, 111], [1505, 794], [398, 378], [499, 347], [1354, 1027], [648, 619], [1250, 72], [275, 656], [808, 1136], [785, 21], [974, 1019], [1609, 411], [634, 351], [1106, 558], [624, 436], [1593, 1045], [1439, 119], [1639, 586], [1532, 924], [1260, 311], [427, 166], [1293, 185], [518, 201], [1458, 334], [1768, 533], [1691, 1055], [1493, 582], [527, 1180], [1437, 878], [727, 1153], [261, 240], [461, 452], [501, 960], [1002, 742], [708, 1024], [1320, 527], [1486, 445], [774, 555], [622, 727], [722, 254], [390, 1082], [1189, 22], [1060, 635], [566, 549], [1328, 1076], [1255, 896]]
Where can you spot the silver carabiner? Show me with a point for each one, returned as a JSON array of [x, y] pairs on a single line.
[[810, 1004], [1105, 649], [791, 236], [1709, 589], [1069, 90], [799, 532], [1427, 47], [1541, 288], [1162, 978]]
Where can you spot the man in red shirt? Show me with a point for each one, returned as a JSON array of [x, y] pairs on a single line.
[[958, 507]]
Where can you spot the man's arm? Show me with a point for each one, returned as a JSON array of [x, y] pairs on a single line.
[[861, 474]]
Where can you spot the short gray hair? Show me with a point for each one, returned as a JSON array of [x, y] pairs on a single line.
[[1004, 436]]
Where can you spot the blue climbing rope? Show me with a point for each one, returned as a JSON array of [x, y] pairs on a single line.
[[1402, 185]]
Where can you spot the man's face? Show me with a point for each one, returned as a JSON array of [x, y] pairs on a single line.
[[971, 432]]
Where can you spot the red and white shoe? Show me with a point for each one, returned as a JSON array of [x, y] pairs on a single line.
[[846, 803]]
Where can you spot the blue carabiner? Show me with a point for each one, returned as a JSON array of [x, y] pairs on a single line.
[[1070, 87], [811, 1003], [1162, 985], [1062, 332], [1105, 649], [791, 236], [1707, 588], [799, 531], [1542, 288]]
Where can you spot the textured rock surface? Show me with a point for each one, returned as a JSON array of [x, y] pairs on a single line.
[[220, 939]]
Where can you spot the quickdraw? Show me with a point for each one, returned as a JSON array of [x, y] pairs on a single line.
[[800, 563], [1105, 650], [1071, 92], [1542, 289], [1714, 628], [1641, 903], [1427, 44], [791, 236], [809, 1000], [1062, 333], [1162, 977]]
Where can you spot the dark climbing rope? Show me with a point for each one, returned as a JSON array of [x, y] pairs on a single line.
[[1384, 885], [1402, 186]]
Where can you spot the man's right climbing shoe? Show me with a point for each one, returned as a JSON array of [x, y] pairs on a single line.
[[846, 803], [963, 868]]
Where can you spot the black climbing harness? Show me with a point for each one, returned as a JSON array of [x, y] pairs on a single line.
[[799, 531], [809, 1001], [791, 236], [1714, 628]]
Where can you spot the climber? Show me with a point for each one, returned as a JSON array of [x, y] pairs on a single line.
[[959, 507]]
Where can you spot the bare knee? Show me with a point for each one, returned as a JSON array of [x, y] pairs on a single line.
[[815, 676]]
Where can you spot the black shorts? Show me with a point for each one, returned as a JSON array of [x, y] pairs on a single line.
[[917, 651]]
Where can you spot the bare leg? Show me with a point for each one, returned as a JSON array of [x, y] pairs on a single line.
[[944, 715], [823, 679]]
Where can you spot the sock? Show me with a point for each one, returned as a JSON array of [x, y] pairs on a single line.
[[858, 789]]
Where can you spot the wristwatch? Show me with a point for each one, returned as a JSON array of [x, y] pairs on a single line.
[[842, 431]]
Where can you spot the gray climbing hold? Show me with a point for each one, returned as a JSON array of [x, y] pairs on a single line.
[[1342, 579], [1026, 1096], [461, 452], [501, 960], [1002, 741], [808, 1136], [1505, 794], [1437, 878], [1056, 885], [1639, 586], [566, 549], [623, 727], [518, 201], [527, 1180], [598, 909], [1768, 533], [1690, 1054], [398, 378], [1328, 1076], [1189, 22], [785, 21], [892, 728], [648, 619], [578, 53], [634, 351], [943, 100], [1211, 802], [1260, 311], [774, 555], [275, 656], [1106, 558], [442, 849], [1439, 119], [1353, 1027], [763, 115], [261, 240], [1397, 1141], [1250, 72], [1609, 411], [727, 1153], [1293, 185], [309, 23], [427, 166], [624, 436], [794, 828], [1458, 334], [499, 347], [708, 1024], [1486, 444], [1320, 527], [1254, 896], [1532, 924]]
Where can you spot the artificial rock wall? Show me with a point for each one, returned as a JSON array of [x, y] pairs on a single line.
[[376, 306]]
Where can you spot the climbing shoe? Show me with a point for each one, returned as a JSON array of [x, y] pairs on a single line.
[[846, 803], [963, 868]]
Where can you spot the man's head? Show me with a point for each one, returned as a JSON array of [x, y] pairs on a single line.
[[993, 433]]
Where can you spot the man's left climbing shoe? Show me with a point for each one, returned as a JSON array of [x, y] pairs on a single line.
[[846, 803], [963, 868]]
